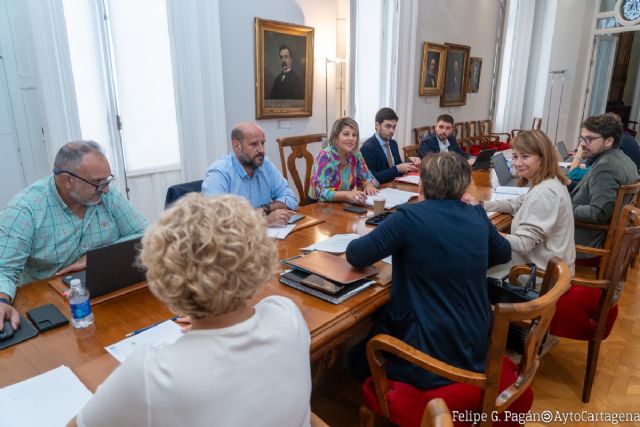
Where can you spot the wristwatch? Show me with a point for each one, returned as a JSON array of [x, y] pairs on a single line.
[[267, 208], [6, 301]]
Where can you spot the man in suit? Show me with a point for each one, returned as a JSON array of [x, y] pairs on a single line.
[[432, 80], [442, 139], [594, 197], [380, 152], [287, 84], [454, 81]]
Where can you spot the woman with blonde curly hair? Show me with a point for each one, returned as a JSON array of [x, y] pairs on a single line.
[[238, 364]]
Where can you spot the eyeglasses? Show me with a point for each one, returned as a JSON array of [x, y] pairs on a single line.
[[588, 139], [101, 185]]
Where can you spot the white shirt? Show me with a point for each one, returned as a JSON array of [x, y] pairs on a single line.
[[444, 146], [254, 373]]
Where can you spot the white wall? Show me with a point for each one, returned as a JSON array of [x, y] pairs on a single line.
[[236, 28], [461, 22]]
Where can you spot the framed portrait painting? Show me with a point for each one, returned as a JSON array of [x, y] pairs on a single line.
[[434, 58], [455, 76], [475, 66], [283, 69]]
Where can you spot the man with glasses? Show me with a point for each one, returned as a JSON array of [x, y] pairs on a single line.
[[594, 197], [46, 229]]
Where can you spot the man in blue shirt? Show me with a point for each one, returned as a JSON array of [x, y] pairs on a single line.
[[47, 228], [249, 173], [381, 152]]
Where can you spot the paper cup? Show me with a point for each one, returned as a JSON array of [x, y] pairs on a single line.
[[378, 205]]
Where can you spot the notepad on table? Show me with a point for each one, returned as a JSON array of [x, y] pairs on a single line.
[[280, 232], [501, 192], [165, 333], [335, 244], [410, 178]]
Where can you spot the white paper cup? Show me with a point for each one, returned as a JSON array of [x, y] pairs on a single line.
[[378, 205]]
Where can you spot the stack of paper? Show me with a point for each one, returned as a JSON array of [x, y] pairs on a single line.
[[502, 193], [165, 333], [280, 232], [412, 178], [392, 197], [49, 399], [335, 244]]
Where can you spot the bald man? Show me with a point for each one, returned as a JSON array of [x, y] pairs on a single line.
[[247, 172]]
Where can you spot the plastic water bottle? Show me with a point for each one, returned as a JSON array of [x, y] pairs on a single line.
[[78, 296]]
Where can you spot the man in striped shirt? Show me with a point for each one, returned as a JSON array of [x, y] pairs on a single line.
[[48, 227]]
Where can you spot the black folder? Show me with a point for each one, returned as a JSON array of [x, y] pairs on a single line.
[[23, 333]]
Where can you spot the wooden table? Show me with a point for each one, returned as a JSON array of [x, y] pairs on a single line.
[[330, 325]]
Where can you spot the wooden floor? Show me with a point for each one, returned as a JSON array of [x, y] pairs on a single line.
[[558, 383]]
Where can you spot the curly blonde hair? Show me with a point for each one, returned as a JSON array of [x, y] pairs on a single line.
[[206, 256]]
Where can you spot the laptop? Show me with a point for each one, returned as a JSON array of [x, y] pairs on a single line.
[[501, 168], [483, 161], [562, 150], [110, 268]]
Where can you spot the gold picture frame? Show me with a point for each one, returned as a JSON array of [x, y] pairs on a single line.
[[455, 76], [475, 67], [434, 58], [283, 69]]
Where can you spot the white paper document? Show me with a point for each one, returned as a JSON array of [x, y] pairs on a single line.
[[564, 164], [280, 232], [49, 399], [335, 244], [392, 197], [492, 214], [165, 333], [502, 193], [410, 179]]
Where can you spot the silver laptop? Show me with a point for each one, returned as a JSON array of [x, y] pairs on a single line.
[[110, 268], [502, 171], [562, 150]]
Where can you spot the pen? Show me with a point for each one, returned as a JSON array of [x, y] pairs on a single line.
[[137, 331]]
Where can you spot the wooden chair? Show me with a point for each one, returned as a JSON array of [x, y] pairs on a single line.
[[437, 414], [410, 151], [486, 126], [460, 130], [316, 421], [536, 123], [588, 311], [175, 192], [474, 144], [627, 194], [502, 386], [298, 146], [421, 133], [473, 128]]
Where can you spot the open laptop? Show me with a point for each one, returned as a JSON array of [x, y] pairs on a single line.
[[502, 171], [110, 268], [483, 161], [562, 150]]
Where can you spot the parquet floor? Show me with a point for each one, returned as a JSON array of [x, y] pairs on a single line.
[[558, 383]]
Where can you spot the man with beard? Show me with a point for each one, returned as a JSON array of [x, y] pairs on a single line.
[[442, 139], [247, 172], [287, 84], [47, 228]]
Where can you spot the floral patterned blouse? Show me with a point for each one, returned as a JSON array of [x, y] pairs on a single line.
[[329, 175]]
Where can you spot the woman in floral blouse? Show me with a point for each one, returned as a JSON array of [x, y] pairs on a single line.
[[339, 173]]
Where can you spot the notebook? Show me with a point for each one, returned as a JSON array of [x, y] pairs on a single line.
[[501, 168], [330, 267], [483, 161], [293, 279], [110, 268]]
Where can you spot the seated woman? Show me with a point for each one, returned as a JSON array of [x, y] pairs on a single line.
[[542, 225], [239, 364], [339, 170], [441, 249]]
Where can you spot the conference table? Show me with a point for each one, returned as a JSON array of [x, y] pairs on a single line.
[[330, 325]]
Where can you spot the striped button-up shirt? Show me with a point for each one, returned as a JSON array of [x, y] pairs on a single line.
[[39, 234]]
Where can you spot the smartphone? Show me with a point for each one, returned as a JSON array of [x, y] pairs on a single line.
[[7, 331], [355, 209], [320, 283], [295, 218]]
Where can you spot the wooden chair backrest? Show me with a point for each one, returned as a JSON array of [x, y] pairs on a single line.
[[536, 314], [410, 151], [460, 130], [536, 123], [473, 128], [486, 127], [421, 132], [298, 145], [481, 140]]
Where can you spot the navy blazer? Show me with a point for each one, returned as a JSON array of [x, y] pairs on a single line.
[[376, 159], [430, 145]]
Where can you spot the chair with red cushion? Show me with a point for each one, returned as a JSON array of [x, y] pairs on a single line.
[[627, 194], [502, 386], [588, 311]]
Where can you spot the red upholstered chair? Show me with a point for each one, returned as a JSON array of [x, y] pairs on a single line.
[[627, 194], [502, 386], [474, 144], [588, 311]]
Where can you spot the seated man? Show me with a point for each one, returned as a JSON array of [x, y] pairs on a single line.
[[594, 197], [47, 228], [442, 139], [247, 172], [381, 153]]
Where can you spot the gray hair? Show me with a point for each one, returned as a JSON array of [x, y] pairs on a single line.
[[70, 155]]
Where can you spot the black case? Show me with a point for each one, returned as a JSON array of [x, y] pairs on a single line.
[[24, 332], [47, 317]]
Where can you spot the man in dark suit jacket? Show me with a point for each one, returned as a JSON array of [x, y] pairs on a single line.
[[287, 84], [381, 153], [442, 139]]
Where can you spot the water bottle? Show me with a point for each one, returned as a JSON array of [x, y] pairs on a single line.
[[78, 297]]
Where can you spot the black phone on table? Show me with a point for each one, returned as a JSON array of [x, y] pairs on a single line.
[[295, 218], [355, 209]]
